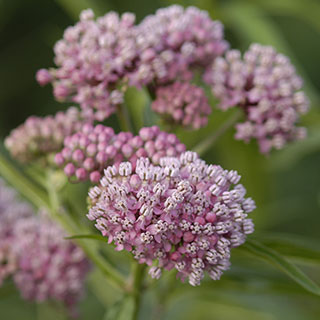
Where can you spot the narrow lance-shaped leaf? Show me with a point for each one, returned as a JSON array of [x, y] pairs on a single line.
[[87, 236], [308, 10], [295, 247], [122, 310], [277, 260]]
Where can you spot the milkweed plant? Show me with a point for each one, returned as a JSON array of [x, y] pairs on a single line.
[[158, 204]]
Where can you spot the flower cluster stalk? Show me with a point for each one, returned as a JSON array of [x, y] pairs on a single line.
[[211, 139], [138, 271]]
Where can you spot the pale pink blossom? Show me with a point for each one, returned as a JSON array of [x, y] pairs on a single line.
[[181, 214]]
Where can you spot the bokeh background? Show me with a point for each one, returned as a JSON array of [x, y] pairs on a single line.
[[285, 185]]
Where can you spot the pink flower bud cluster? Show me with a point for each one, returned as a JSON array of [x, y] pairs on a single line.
[[181, 214], [38, 137], [175, 40], [11, 209], [88, 152], [92, 59], [182, 103], [49, 266], [265, 85]]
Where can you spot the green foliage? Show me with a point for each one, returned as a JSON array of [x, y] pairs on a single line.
[[273, 257], [121, 310], [88, 236]]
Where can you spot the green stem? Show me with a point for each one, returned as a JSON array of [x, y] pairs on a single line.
[[138, 276], [164, 294], [114, 277], [124, 118], [209, 141], [25, 186], [65, 220]]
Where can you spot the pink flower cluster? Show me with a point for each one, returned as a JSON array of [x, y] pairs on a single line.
[[33, 250], [181, 214], [38, 137], [265, 85], [11, 209], [92, 59], [173, 41], [49, 267], [89, 151], [97, 59], [182, 103]]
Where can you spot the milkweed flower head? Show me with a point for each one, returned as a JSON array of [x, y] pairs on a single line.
[[33, 250], [11, 209], [92, 59], [181, 214], [88, 152], [39, 137], [173, 41], [49, 266], [182, 103], [265, 85]]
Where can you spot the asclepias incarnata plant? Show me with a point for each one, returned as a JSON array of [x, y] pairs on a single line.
[[147, 194]]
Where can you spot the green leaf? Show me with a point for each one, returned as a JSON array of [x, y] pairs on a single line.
[[202, 306], [271, 256], [294, 153], [308, 10], [7, 289], [122, 310], [136, 101], [50, 311], [87, 236], [101, 289], [150, 118], [294, 247]]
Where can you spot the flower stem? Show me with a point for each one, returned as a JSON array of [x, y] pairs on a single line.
[[65, 220], [210, 140], [35, 194], [138, 276]]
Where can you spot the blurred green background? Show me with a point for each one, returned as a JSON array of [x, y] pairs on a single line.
[[285, 185]]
